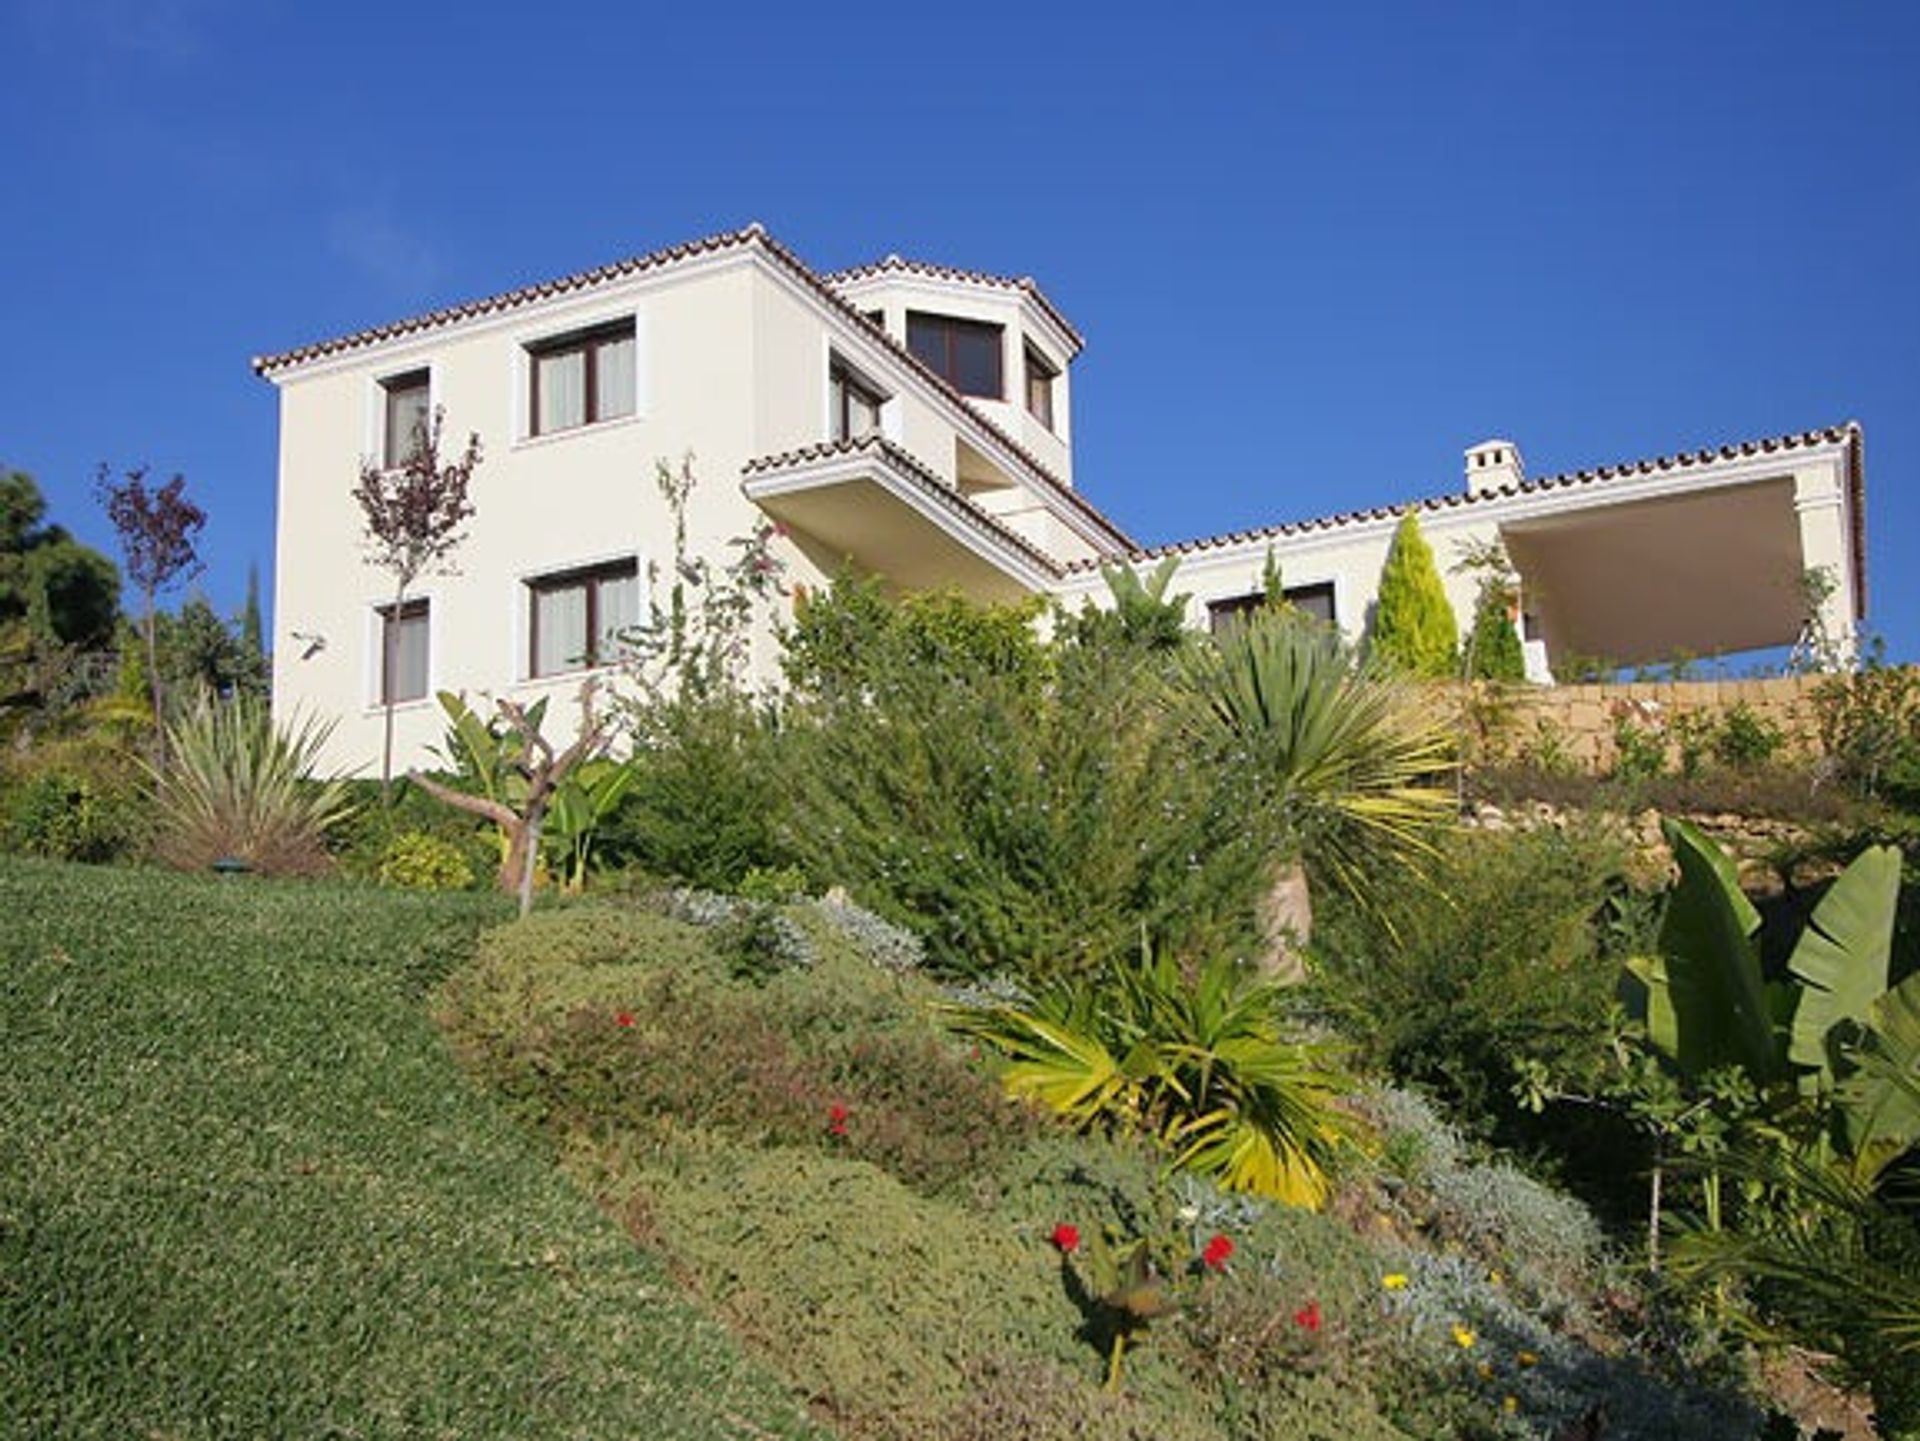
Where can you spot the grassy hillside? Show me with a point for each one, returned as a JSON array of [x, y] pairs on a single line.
[[244, 1192]]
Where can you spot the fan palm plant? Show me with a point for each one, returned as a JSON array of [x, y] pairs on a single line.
[[1838, 1268], [1197, 1059], [1344, 763]]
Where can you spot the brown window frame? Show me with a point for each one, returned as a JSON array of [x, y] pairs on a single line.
[[946, 369], [396, 450], [844, 382], [1044, 371], [1233, 610], [413, 608], [585, 577], [589, 342]]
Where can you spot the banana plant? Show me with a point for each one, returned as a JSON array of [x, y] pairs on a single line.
[[583, 800], [1830, 1032]]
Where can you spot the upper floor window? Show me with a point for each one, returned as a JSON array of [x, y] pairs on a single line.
[[1040, 374], [855, 405], [407, 416], [582, 378], [1315, 600], [403, 651], [580, 615], [965, 352]]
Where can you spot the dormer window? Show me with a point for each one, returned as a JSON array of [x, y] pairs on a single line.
[[582, 378], [854, 403], [408, 416], [1040, 375], [965, 353]]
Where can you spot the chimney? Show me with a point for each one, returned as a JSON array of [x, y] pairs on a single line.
[[1493, 465]]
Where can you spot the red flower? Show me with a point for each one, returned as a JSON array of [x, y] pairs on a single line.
[[1308, 1316], [1215, 1256], [1067, 1238], [837, 1115], [623, 1018]]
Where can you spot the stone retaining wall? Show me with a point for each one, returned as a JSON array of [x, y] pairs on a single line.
[[1581, 721]]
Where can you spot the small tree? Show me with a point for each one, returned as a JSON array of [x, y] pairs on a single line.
[[1414, 629], [1493, 646], [416, 514], [519, 772], [159, 530]]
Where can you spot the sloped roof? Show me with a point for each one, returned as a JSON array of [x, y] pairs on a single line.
[[1848, 434], [896, 265], [903, 463]]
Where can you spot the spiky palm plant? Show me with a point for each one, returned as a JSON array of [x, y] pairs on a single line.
[[239, 788], [1198, 1059], [1837, 1268], [1344, 762]]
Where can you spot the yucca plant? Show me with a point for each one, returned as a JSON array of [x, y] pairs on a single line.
[[1198, 1059], [239, 788], [1344, 762]]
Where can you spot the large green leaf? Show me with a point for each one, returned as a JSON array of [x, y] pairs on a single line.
[[1841, 960], [1880, 1101], [1707, 1005]]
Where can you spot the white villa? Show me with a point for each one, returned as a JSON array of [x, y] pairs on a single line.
[[912, 422]]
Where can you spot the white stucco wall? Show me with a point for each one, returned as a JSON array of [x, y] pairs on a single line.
[[732, 364]]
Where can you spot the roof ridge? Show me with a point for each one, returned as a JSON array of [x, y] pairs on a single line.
[[1846, 431], [893, 262], [513, 299]]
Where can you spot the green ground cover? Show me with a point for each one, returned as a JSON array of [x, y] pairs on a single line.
[[244, 1191]]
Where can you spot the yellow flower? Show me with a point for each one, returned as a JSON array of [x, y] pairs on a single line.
[[1394, 1281], [1510, 1404], [1463, 1336], [1527, 1358], [1495, 1277]]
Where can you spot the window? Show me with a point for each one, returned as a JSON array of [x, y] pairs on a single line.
[[1040, 374], [1315, 600], [403, 652], [408, 416], [577, 617], [965, 352], [582, 378], [855, 405]]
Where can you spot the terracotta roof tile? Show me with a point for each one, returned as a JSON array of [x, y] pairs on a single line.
[[904, 463], [1849, 434], [509, 300], [895, 265]]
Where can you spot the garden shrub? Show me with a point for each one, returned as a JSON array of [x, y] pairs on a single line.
[[653, 1030], [64, 815], [1869, 722], [1453, 985], [416, 861], [708, 797], [1037, 827]]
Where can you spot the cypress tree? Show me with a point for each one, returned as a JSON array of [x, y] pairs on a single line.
[[1414, 629], [1495, 647]]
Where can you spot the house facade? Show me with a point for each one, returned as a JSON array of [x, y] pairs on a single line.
[[912, 422]]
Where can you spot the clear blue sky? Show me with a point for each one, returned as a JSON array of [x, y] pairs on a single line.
[[1316, 250]]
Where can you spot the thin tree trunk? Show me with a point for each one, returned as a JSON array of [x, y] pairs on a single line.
[[1653, 1212], [153, 685], [536, 818], [389, 640]]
